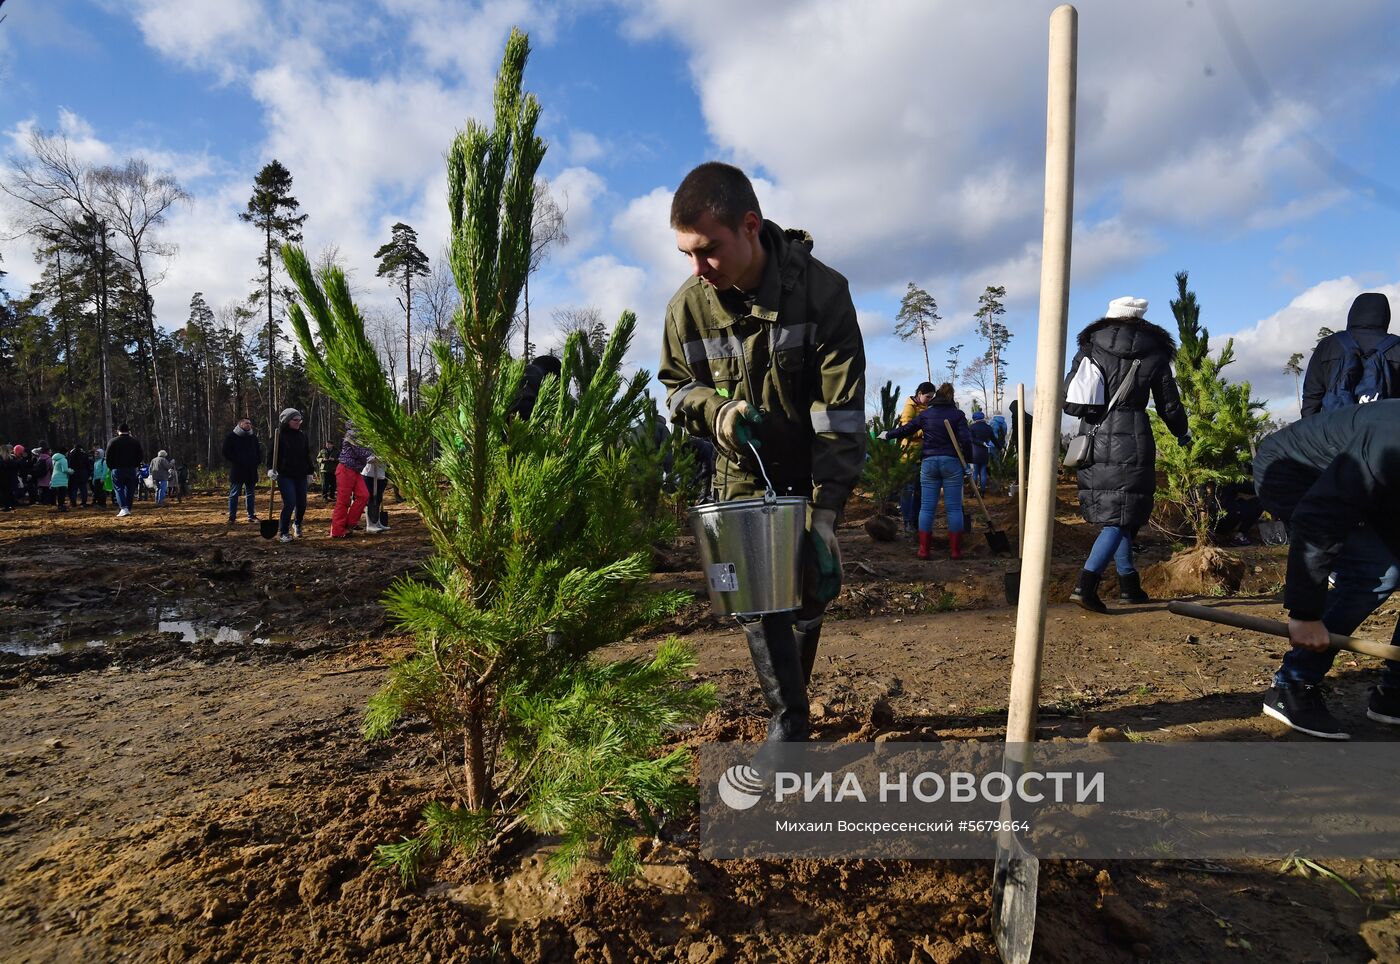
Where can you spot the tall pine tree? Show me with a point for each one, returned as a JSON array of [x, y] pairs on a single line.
[[272, 210], [918, 314], [401, 260]]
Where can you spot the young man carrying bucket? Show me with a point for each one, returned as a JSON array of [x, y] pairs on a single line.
[[761, 344]]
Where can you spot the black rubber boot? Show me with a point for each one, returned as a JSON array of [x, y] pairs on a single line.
[[1086, 593], [808, 633], [1130, 588], [778, 663]]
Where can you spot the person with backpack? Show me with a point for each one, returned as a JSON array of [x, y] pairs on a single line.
[[1123, 359], [941, 471], [162, 470], [1358, 365], [1335, 479]]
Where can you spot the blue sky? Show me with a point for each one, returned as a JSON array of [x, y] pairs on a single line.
[[1251, 143]]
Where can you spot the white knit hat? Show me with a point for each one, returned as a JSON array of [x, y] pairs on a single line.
[[1126, 307]]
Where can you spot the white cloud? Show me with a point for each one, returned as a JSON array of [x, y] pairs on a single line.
[[581, 147], [203, 32]]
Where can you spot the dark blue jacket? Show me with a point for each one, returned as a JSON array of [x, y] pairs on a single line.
[[930, 423], [982, 436]]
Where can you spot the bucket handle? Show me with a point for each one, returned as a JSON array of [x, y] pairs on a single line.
[[769, 496]]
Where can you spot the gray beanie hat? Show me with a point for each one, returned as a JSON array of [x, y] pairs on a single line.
[[288, 414]]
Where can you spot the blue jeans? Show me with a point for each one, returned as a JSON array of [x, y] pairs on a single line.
[[1366, 574], [1115, 543], [981, 474], [124, 482], [941, 473], [293, 492], [162, 487], [233, 489]]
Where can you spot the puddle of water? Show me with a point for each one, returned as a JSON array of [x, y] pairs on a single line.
[[71, 632]]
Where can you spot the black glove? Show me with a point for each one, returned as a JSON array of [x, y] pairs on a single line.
[[1184, 441]]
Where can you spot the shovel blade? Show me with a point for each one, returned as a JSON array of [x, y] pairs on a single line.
[[1011, 586], [999, 543], [1015, 884], [267, 528]]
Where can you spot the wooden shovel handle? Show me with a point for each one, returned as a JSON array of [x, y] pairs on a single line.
[[975, 491], [1274, 627]]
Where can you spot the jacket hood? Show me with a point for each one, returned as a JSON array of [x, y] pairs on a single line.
[[1369, 312], [1126, 337]]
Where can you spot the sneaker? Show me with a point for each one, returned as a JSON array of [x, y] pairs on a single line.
[[1384, 706], [253, 518], [284, 537], [296, 530], [123, 513], [1300, 706], [375, 527]]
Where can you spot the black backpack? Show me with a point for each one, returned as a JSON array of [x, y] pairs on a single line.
[[1361, 376]]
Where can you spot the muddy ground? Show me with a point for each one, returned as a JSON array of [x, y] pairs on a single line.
[[183, 776]]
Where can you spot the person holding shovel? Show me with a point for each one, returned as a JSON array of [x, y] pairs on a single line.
[[1122, 360], [292, 454], [941, 471], [1334, 477], [761, 346]]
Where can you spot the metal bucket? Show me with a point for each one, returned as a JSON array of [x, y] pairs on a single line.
[[751, 553]]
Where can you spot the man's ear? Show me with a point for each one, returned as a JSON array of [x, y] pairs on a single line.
[[752, 223]]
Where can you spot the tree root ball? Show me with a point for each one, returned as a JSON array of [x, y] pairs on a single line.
[[1202, 571], [882, 528]]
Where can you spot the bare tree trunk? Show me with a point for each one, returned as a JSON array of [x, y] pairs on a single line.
[[67, 344], [928, 366], [102, 326], [271, 346], [408, 339], [164, 425]]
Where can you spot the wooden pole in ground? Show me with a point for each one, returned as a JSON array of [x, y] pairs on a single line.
[[1049, 366], [1016, 873]]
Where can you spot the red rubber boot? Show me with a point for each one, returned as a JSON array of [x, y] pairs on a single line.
[[955, 545], [923, 543]]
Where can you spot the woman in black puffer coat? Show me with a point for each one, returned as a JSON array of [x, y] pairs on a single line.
[[1116, 490]]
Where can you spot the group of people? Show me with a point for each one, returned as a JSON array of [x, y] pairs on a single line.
[[1333, 476], [355, 477], [761, 347], [85, 475], [952, 450]]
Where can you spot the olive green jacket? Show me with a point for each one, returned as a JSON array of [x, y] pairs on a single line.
[[795, 352]]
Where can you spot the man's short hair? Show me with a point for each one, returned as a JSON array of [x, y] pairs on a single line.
[[719, 188], [123, 427]]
